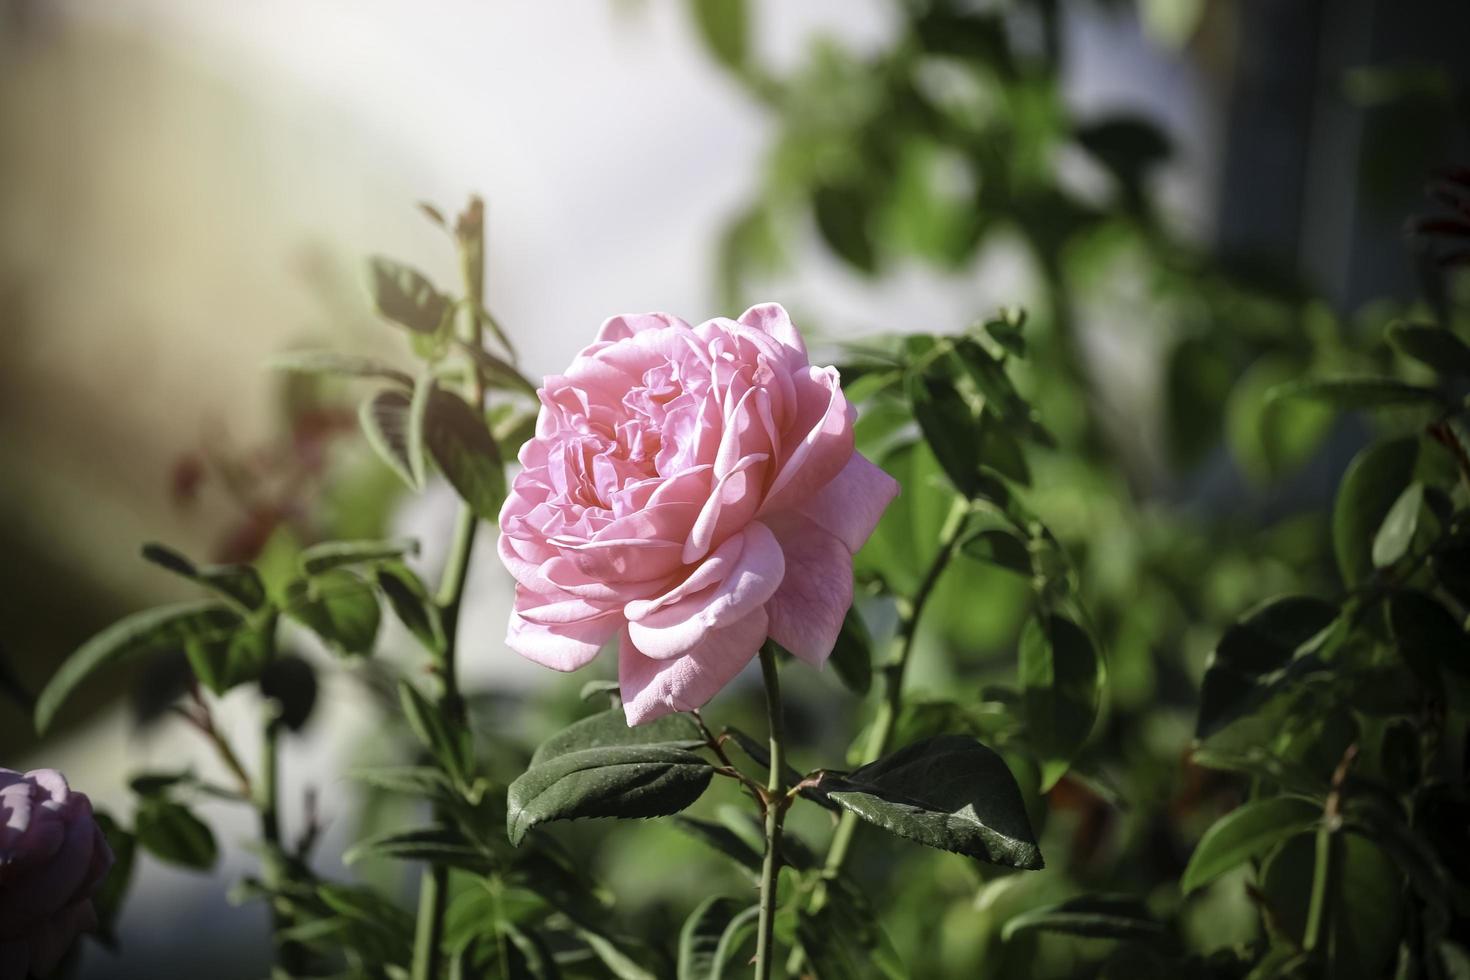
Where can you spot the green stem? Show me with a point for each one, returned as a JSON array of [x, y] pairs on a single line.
[[776, 803], [434, 888], [288, 956], [880, 736]]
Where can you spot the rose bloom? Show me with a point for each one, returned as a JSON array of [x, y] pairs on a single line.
[[52, 858], [690, 491]]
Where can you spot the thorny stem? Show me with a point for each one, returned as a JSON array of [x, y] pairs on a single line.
[[776, 803], [434, 890], [716, 744]]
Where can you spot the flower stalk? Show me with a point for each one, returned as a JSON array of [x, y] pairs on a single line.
[[776, 802]]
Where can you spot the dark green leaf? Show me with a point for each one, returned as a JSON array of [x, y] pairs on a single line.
[[167, 629], [1000, 547], [1001, 398], [433, 845], [724, 26], [724, 840], [1247, 833], [239, 659], [107, 900], [412, 604], [1006, 329], [1396, 532], [852, 656], [1428, 636], [291, 683], [328, 555], [384, 417], [1435, 346], [450, 745], [406, 297], [949, 426], [594, 689], [1253, 652], [498, 373], [1094, 916], [238, 582], [1061, 678], [338, 606], [419, 781], [610, 781], [538, 962], [1373, 482], [843, 213], [948, 792], [168, 831], [1128, 146], [701, 939], [465, 451], [344, 365], [610, 728], [1359, 392]]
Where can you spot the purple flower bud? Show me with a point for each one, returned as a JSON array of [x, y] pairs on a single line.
[[52, 858]]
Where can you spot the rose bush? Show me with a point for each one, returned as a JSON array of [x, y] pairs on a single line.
[[52, 858], [690, 490]]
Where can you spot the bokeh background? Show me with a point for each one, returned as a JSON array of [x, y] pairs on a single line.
[[1194, 199]]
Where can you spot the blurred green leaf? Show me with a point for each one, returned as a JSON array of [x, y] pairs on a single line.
[[238, 582], [465, 451], [852, 655], [406, 296], [1396, 532], [340, 607], [169, 832], [167, 629], [1372, 484], [324, 557], [1360, 392], [724, 26], [703, 949], [1061, 678], [1433, 346], [342, 365], [1247, 833], [1093, 916], [385, 422]]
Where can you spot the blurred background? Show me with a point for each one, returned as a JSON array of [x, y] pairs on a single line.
[[1194, 200]]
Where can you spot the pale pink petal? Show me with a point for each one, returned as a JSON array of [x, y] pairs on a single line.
[[772, 319], [654, 688], [806, 612], [564, 647], [850, 505], [822, 431], [626, 325], [733, 502], [674, 629]]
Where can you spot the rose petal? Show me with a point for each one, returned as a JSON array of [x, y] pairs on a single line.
[[625, 325], [850, 505], [671, 630], [823, 447], [806, 612], [772, 319], [654, 688], [560, 646]]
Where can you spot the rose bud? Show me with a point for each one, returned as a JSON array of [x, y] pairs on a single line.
[[690, 491], [52, 858]]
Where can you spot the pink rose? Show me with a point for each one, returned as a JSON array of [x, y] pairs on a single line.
[[691, 491], [52, 857]]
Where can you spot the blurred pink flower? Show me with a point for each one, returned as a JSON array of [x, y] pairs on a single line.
[[52, 858], [690, 490]]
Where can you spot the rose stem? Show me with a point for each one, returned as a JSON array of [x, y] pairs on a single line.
[[892, 672], [434, 887], [775, 806], [267, 801]]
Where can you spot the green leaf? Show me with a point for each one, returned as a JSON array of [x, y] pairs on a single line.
[[406, 296], [949, 426], [291, 683], [620, 963], [1093, 916], [1006, 330], [1359, 392], [324, 557], [594, 689], [722, 839], [450, 746], [1396, 532], [539, 961], [167, 629], [433, 845], [852, 655], [238, 582], [1429, 637], [948, 792], [1001, 398], [338, 606], [724, 26], [610, 781], [240, 659], [1435, 346], [1061, 679], [999, 547], [1253, 654], [412, 604], [610, 728], [385, 421], [465, 451], [107, 900], [702, 940], [418, 781], [169, 832], [418, 408], [1247, 833], [343, 365], [498, 373], [1374, 481], [844, 212]]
